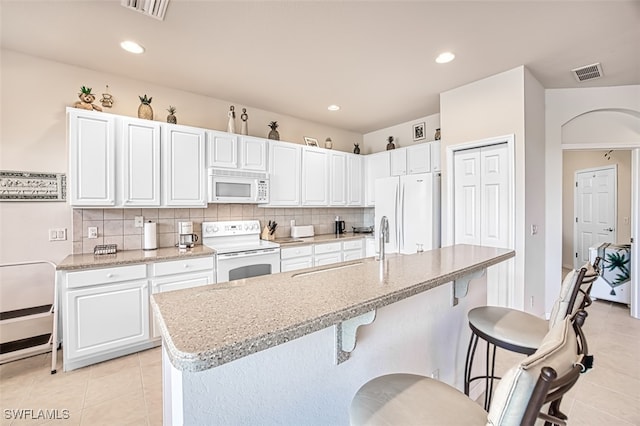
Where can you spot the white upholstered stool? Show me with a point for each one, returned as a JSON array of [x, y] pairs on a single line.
[[521, 332], [409, 399]]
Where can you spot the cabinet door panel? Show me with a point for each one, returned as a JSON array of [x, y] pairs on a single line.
[[296, 264], [254, 154], [338, 177], [315, 179], [92, 168], [398, 161], [184, 166], [140, 163], [222, 150], [355, 187], [419, 158], [105, 318], [327, 259], [284, 174], [377, 166]]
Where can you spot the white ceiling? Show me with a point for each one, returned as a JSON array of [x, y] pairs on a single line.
[[373, 58]]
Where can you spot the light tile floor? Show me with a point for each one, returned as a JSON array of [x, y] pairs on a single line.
[[128, 390]]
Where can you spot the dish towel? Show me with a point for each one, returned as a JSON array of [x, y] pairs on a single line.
[[616, 264]]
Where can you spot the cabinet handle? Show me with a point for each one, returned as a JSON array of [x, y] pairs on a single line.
[[186, 265], [109, 275]]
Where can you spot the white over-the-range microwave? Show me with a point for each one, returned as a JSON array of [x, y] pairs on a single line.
[[232, 186]]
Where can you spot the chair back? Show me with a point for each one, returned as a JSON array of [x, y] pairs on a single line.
[[574, 292], [543, 377]]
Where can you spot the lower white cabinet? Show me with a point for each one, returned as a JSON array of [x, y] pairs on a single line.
[[106, 311], [103, 318], [294, 258], [352, 250], [327, 253]]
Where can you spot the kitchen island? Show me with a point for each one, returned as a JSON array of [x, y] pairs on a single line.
[[281, 349]]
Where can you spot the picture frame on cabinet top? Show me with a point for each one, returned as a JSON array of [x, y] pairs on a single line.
[[310, 141], [419, 132]]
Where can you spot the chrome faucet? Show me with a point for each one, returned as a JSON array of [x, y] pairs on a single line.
[[383, 237]]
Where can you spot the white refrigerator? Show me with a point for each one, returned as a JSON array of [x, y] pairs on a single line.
[[412, 205]]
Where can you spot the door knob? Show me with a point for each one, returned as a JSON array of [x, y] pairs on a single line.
[[608, 229]]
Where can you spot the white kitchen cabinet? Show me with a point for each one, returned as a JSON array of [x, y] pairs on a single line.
[[377, 166], [398, 158], [284, 173], [253, 153], [355, 174], [418, 158], [140, 161], [315, 177], [353, 250], [338, 178], [327, 253], [294, 258], [178, 275], [105, 313], [184, 171], [435, 156], [222, 150], [92, 156]]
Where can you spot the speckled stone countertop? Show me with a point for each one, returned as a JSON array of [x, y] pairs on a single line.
[[127, 257], [208, 326], [318, 239]]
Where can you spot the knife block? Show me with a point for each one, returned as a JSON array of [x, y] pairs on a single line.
[[264, 235]]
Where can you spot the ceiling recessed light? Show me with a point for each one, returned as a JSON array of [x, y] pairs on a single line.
[[445, 57], [132, 46], [333, 107]]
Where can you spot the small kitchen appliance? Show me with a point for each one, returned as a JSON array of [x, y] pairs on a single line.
[[186, 237], [339, 226]]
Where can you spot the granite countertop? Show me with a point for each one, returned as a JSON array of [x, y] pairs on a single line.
[[128, 257], [208, 326], [316, 239]]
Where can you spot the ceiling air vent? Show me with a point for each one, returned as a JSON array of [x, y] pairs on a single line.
[[588, 72], [154, 8]]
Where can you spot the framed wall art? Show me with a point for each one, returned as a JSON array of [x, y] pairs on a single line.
[[32, 186], [418, 132], [310, 141]]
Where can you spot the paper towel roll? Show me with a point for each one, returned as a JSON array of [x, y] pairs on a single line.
[[150, 236]]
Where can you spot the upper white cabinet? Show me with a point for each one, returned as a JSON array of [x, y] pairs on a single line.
[[184, 171], [418, 158], [253, 153], [140, 155], [435, 156], [338, 178], [410, 160], [315, 176], [284, 173], [377, 166], [222, 150], [92, 156], [355, 176], [229, 151]]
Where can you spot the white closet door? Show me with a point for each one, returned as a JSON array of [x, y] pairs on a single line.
[[482, 183], [467, 197]]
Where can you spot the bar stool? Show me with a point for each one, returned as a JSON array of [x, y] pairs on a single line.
[[521, 332], [544, 377]]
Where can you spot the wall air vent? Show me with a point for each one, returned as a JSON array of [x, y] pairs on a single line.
[[154, 8], [588, 72]]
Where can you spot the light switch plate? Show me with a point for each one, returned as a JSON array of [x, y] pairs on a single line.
[[138, 221]]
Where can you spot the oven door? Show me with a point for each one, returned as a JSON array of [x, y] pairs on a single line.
[[247, 264]]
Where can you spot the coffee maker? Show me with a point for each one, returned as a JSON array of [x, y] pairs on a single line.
[[339, 226], [186, 237]]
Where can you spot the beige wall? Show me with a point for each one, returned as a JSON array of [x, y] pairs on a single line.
[[579, 160], [402, 133], [496, 106]]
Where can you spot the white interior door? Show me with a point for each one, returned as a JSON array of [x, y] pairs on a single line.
[[595, 210], [482, 188]]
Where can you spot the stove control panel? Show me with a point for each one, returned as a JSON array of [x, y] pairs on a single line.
[[229, 228]]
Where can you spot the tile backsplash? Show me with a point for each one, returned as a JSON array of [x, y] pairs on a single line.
[[116, 226]]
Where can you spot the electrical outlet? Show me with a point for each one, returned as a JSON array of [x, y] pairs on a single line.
[[292, 223], [138, 221], [58, 234], [92, 232]]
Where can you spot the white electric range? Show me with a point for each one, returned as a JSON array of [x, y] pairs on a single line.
[[240, 253]]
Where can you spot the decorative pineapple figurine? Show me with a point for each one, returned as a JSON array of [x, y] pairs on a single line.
[[144, 110], [273, 134], [171, 118]]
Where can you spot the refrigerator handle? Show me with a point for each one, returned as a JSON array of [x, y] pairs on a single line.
[[397, 197], [401, 221]]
